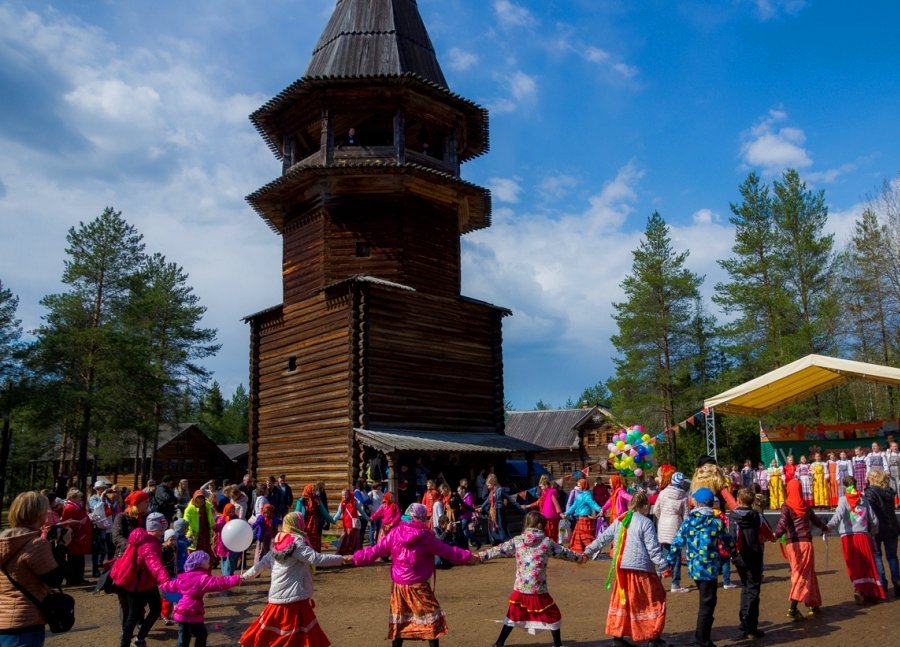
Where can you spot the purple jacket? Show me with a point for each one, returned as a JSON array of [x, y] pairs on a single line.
[[411, 547], [192, 586]]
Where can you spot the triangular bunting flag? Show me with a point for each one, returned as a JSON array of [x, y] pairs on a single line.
[[690, 420]]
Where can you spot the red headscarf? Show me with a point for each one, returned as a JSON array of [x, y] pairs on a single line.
[[136, 498], [794, 499], [665, 475], [229, 507], [616, 485], [583, 484], [266, 518], [310, 499], [387, 499]]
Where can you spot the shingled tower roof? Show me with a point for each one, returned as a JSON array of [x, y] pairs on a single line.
[[367, 38]]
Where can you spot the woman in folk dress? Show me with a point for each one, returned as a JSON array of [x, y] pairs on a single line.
[[804, 475], [776, 486], [833, 483], [820, 483]]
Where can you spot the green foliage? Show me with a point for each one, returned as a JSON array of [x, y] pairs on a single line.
[[657, 337], [592, 396], [225, 421], [10, 336], [540, 405]]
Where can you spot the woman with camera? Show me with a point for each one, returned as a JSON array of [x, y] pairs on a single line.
[[27, 559]]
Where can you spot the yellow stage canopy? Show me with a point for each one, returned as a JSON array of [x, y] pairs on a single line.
[[797, 381]]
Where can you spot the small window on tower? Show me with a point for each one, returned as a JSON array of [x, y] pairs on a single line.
[[292, 363], [363, 250]]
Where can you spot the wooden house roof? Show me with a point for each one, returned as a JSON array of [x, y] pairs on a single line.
[[234, 451], [442, 441], [551, 429], [376, 38]]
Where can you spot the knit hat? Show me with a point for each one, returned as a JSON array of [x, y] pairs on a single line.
[[170, 533], [156, 522], [704, 496], [705, 459], [417, 511], [136, 498], [197, 560], [180, 526], [677, 479]]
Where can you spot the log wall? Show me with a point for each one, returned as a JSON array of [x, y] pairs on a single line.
[[303, 413], [430, 363]]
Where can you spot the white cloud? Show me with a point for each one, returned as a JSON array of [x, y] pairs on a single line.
[[768, 9], [705, 217], [461, 60], [512, 15], [774, 149], [610, 208], [831, 175], [522, 89], [603, 58], [553, 187], [505, 189]]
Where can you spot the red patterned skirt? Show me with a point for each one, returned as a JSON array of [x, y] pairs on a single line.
[[532, 612], [642, 614], [861, 566], [415, 613], [349, 542], [551, 529], [582, 535], [286, 625]]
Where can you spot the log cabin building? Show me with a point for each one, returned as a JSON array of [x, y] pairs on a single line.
[[374, 349], [571, 439]]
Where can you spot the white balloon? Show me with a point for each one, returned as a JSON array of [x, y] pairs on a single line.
[[237, 535]]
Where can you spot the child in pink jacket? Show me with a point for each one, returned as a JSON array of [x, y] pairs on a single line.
[[193, 584]]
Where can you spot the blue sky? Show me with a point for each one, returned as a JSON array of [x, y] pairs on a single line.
[[601, 112]]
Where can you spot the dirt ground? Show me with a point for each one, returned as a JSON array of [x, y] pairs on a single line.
[[352, 607]]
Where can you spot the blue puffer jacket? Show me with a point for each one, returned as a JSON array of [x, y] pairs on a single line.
[[699, 536]]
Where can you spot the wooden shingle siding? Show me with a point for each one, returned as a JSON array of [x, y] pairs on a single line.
[[430, 362], [303, 414]]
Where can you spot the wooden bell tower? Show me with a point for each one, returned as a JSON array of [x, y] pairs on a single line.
[[373, 334]]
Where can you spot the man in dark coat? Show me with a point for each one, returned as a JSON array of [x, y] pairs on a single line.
[[164, 498]]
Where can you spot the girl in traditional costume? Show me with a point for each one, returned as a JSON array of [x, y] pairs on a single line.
[[795, 525], [776, 486], [790, 469], [549, 507], [893, 470], [585, 510], [637, 606], [314, 513], [833, 482], [859, 467], [844, 469], [288, 620], [762, 480], [804, 475], [855, 521], [820, 483], [412, 547], [388, 514], [530, 606], [348, 515], [618, 501]]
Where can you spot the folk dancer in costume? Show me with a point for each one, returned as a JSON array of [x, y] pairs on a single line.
[[790, 469], [530, 606], [637, 606], [761, 477], [876, 459], [747, 474], [776, 486], [585, 510], [494, 506], [856, 522], [893, 463], [314, 515], [387, 515], [412, 547], [804, 475], [288, 619], [703, 537], [859, 467], [833, 484], [880, 496], [820, 476], [349, 514], [795, 525], [549, 507], [844, 468], [618, 501]]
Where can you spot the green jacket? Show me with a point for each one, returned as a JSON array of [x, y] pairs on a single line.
[[192, 516]]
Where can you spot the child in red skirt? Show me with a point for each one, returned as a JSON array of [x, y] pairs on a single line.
[[288, 620], [412, 546], [637, 606], [530, 605], [856, 523]]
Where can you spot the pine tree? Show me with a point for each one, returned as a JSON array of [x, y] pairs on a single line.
[[10, 373], [164, 317], [755, 291], [654, 322], [806, 254], [81, 343]]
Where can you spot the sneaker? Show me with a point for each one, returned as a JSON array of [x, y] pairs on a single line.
[[794, 614], [812, 612], [680, 589], [729, 586], [137, 642]]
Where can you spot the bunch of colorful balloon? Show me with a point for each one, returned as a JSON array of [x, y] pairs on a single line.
[[631, 451]]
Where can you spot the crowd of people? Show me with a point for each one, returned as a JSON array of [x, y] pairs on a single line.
[[157, 549]]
